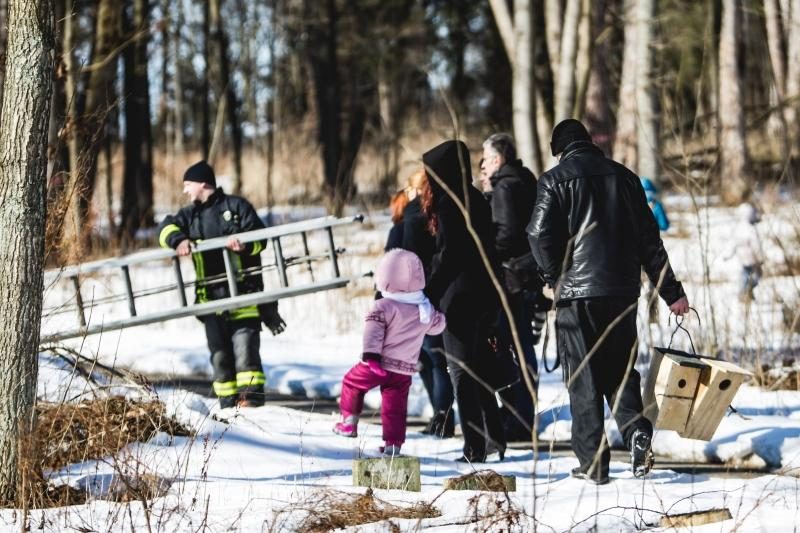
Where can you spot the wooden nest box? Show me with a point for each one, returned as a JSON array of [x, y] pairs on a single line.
[[688, 394]]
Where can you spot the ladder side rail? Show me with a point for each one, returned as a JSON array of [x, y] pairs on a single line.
[[214, 306], [210, 244]]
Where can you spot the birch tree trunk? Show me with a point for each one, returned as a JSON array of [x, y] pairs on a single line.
[[583, 59], [776, 125], [518, 43], [793, 78], [524, 109], [625, 141], [23, 168], [565, 87], [732, 146], [553, 20], [647, 136]]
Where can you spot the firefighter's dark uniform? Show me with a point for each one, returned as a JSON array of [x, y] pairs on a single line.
[[233, 336]]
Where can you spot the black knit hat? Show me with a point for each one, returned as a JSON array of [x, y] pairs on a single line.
[[202, 173], [568, 131]]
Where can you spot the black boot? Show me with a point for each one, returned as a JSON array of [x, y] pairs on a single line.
[[641, 453]]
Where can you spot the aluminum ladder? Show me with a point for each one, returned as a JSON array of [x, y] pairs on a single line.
[[75, 275]]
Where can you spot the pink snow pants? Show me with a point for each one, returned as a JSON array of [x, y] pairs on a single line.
[[394, 399]]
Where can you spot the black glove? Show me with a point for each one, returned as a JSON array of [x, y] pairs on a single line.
[[271, 318]]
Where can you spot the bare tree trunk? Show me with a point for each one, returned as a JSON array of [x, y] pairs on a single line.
[[565, 88], [786, 17], [91, 128], [584, 58], [178, 82], [325, 70], [793, 79], [518, 41], [732, 146], [249, 21], [553, 21], [205, 139], [61, 198], [137, 198], [598, 116], [163, 98], [647, 127], [776, 125], [23, 174], [625, 141], [58, 159], [544, 85], [272, 84], [226, 86], [3, 40], [386, 140], [776, 44]]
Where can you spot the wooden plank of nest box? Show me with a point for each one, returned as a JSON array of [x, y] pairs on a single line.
[[697, 518], [718, 384], [399, 472]]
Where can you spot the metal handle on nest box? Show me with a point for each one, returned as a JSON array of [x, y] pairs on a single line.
[[679, 325]]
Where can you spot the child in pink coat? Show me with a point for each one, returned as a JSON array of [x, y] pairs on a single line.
[[393, 334]]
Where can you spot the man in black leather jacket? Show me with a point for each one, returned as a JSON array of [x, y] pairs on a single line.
[[591, 234]]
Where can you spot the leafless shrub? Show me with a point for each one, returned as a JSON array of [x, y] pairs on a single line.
[[91, 429], [328, 510], [494, 512]]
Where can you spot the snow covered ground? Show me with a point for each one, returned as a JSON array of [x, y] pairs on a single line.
[[249, 470]]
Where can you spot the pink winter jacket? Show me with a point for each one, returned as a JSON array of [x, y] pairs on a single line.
[[393, 333]]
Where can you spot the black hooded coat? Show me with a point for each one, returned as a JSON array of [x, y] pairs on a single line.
[[458, 273], [461, 287]]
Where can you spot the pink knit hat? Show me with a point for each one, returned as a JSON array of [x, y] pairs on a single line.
[[400, 271]]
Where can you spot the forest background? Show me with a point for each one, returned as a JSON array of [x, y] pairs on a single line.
[[333, 101]]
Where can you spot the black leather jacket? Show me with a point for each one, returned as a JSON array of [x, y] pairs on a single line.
[[591, 231]]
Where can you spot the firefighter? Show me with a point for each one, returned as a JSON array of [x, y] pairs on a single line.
[[233, 335]]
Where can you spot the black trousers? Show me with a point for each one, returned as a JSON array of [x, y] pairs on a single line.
[[466, 346], [608, 375], [235, 357]]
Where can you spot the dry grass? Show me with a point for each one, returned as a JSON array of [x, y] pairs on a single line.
[[786, 377], [329, 510], [488, 480], [94, 429], [494, 512]]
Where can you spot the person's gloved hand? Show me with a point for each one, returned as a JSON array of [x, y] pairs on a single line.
[[275, 323], [375, 368]]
